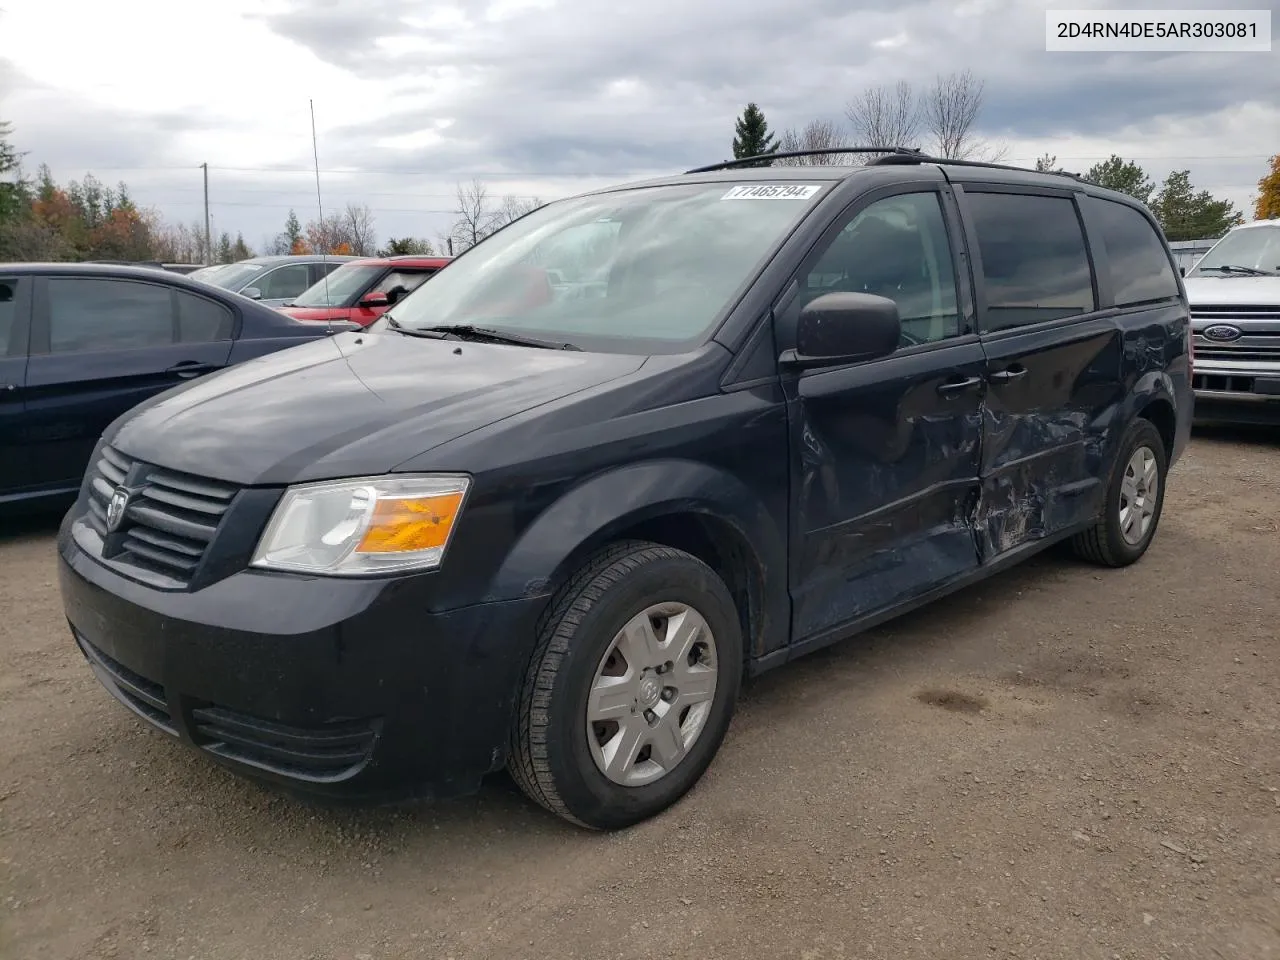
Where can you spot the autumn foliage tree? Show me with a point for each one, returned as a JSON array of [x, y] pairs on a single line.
[[1267, 205]]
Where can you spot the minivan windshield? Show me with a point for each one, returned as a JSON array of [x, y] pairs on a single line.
[[340, 288], [1247, 250], [634, 270]]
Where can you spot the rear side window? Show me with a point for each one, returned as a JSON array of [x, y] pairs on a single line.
[[201, 320], [92, 314], [8, 313], [1035, 265], [1139, 268], [283, 282]]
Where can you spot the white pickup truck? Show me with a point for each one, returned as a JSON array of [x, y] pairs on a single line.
[[1234, 291]]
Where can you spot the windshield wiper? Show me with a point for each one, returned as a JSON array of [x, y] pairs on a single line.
[[463, 330], [1245, 271]]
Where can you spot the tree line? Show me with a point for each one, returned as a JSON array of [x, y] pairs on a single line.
[[942, 119], [43, 220]]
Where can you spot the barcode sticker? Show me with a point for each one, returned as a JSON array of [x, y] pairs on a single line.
[[772, 191]]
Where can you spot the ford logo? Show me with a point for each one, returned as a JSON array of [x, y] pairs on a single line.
[[1222, 332]]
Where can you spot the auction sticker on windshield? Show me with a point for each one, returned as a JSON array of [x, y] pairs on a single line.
[[772, 191]]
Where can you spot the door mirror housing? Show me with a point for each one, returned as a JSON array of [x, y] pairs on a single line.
[[253, 293], [841, 328], [1182, 270], [375, 298]]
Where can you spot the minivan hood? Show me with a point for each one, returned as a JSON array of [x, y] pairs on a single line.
[[1231, 290], [348, 405]]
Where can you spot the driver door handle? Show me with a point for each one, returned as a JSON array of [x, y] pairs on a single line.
[[949, 388], [190, 368], [1016, 372]]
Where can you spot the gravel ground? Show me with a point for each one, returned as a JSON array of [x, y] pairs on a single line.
[[1061, 762]]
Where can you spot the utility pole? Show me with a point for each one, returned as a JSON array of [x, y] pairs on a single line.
[[208, 240]]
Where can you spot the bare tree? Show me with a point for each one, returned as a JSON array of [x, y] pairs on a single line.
[[950, 110], [474, 219], [513, 208], [358, 225], [816, 135], [886, 116]]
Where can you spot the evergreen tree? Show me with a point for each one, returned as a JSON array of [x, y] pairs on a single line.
[[752, 137], [240, 250], [225, 253], [1123, 176], [1187, 215], [292, 229]]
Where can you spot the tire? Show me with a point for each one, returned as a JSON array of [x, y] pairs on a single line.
[[558, 758], [1106, 543]]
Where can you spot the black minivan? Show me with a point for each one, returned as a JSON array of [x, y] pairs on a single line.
[[548, 511]]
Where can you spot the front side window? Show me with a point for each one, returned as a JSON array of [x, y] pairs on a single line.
[[1035, 265], [640, 270], [896, 248], [93, 314], [407, 280], [1140, 269], [1244, 251]]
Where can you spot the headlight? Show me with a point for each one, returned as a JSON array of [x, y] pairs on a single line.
[[367, 525]]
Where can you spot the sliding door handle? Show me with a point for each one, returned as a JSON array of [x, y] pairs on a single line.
[[1016, 372]]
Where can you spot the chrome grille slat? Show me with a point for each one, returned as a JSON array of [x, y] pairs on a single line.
[[168, 526]]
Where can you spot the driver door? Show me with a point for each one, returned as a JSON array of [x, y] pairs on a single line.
[[884, 453]]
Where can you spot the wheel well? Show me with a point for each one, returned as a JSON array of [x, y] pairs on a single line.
[[716, 543], [1164, 419]]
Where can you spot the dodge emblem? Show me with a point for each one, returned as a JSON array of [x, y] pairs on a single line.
[[116, 507]]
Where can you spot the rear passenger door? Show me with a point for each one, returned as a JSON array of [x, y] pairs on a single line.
[[1052, 363], [282, 284], [100, 347], [885, 453], [15, 311]]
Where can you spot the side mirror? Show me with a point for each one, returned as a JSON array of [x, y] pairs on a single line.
[[375, 298], [253, 293], [1182, 271], [397, 293], [845, 328]]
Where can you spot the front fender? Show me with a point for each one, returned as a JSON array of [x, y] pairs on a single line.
[[599, 509]]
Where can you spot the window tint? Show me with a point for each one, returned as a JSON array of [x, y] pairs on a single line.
[[8, 315], [1140, 269], [1034, 259], [108, 315], [283, 282], [895, 248], [201, 320]]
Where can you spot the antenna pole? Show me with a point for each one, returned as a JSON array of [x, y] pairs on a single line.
[[324, 254], [208, 237]]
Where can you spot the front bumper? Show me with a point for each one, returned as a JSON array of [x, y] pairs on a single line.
[[1237, 391], [341, 688]]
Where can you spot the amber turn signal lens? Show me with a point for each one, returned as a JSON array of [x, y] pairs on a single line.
[[404, 525]]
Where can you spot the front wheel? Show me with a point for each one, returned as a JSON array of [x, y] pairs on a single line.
[[1134, 501], [631, 687]]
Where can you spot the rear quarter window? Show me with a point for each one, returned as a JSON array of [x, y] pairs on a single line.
[[1140, 269]]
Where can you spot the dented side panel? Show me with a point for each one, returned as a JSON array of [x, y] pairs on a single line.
[[1045, 433], [885, 473]]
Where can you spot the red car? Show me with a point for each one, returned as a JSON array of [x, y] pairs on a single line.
[[361, 290]]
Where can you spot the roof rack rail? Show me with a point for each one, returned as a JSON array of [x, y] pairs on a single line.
[[903, 158], [826, 151]]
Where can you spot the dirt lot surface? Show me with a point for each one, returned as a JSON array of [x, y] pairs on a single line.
[[1062, 762]]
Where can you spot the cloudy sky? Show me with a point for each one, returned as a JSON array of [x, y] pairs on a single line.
[[547, 97]]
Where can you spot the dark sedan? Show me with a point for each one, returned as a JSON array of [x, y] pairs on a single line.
[[80, 344]]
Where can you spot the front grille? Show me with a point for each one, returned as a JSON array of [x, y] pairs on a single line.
[[1232, 312], [319, 754], [169, 522], [144, 697]]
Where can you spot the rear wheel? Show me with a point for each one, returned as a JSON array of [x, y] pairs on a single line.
[[631, 687], [1134, 501]]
